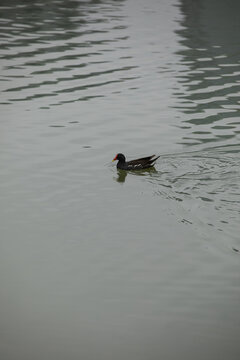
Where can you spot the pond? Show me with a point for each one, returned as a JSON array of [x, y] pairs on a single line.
[[98, 263]]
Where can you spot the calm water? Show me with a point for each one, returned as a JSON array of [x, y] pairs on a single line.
[[101, 264]]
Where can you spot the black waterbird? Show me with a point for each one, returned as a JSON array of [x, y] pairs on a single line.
[[138, 164]]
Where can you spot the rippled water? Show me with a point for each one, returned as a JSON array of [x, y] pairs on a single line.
[[100, 263]]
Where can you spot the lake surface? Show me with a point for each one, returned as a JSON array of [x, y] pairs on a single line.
[[97, 263]]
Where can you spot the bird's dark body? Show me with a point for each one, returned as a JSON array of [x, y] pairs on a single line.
[[138, 164]]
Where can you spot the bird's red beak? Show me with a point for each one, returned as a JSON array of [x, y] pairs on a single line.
[[114, 158]]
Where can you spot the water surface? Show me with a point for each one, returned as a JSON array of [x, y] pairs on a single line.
[[97, 263]]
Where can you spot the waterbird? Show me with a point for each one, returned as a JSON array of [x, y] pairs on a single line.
[[138, 164]]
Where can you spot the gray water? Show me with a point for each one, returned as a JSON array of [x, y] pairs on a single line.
[[97, 263]]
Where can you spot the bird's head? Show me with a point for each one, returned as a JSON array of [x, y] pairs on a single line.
[[120, 157]]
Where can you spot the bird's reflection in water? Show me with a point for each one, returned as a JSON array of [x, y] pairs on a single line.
[[122, 174]]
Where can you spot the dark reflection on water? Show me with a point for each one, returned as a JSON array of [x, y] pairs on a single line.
[[209, 94], [32, 17], [122, 174], [46, 45]]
